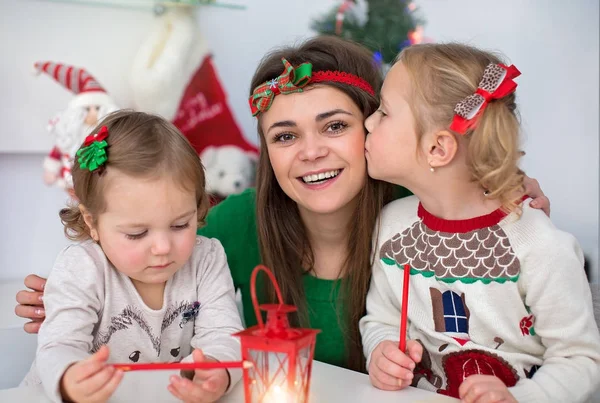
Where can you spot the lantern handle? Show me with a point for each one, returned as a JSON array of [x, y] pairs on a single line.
[[253, 291]]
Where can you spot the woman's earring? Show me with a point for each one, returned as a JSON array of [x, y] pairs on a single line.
[[432, 169]]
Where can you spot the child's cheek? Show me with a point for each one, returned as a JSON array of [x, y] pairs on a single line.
[[187, 244], [131, 257]]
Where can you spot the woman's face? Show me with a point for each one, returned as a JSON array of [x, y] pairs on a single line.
[[315, 141]]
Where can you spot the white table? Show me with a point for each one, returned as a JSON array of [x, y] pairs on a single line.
[[329, 384]]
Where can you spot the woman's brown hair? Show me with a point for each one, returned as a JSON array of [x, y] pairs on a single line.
[[441, 76], [142, 146], [284, 243]]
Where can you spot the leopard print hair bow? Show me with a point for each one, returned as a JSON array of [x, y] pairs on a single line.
[[497, 82]]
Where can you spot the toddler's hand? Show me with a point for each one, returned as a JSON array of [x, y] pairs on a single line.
[[484, 389], [208, 385], [390, 368], [90, 380]]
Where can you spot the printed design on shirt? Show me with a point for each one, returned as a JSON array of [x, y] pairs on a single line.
[[450, 314], [482, 255], [131, 316], [451, 317], [189, 314], [182, 309], [175, 352], [529, 374], [135, 356], [526, 324], [459, 365], [423, 370]]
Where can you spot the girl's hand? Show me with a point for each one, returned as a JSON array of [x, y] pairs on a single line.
[[532, 189], [90, 380], [390, 368], [484, 389], [208, 385], [31, 305]]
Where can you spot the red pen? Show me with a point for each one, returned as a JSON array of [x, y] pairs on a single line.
[[404, 315], [182, 365]]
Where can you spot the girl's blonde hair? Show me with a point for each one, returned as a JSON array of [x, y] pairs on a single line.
[[142, 146], [441, 76]]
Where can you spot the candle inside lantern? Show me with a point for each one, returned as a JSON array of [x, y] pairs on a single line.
[[278, 394]]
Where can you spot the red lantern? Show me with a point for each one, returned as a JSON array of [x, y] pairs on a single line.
[[281, 356]]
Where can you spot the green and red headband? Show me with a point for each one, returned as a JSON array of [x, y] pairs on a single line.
[[294, 79]]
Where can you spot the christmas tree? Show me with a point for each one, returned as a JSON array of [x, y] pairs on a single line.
[[384, 26]]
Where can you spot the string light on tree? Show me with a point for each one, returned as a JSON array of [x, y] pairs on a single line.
[[384, 26]]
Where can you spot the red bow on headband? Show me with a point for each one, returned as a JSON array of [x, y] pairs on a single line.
[[497, 82]]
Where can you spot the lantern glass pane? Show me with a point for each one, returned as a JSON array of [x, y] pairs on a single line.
[[268, 378], [302, 376]]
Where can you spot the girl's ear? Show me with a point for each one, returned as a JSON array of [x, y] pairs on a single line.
[[89, 221], [441, 148]]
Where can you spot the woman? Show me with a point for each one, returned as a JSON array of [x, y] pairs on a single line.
[[313, 213]]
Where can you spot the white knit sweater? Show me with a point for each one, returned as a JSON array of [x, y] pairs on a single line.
[[497, 294]]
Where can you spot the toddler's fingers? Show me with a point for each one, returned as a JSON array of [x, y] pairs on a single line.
[[473, 387], [390, 382], [107, 390], [210, 386], [394, 370], [414, 350], [383, 381], [393, 354], [87, 369], [95, 383], [190, 391], [171, 388], [91, 365]]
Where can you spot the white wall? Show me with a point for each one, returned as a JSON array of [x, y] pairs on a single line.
[[554, 44]]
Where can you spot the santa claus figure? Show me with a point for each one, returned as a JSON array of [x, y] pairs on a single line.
[[173, 75], [70, 127]]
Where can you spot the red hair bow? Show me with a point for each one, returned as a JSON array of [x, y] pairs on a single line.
[[497, 82]]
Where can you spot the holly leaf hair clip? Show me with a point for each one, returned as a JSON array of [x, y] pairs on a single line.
[[93, 153]]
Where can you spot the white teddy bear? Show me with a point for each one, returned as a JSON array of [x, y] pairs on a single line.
[[229, 170]]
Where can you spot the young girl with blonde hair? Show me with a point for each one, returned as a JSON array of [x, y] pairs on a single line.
[[499, 307], [139, 285]]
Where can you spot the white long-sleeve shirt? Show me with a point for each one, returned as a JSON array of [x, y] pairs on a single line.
[[89, 303], [498, 295]]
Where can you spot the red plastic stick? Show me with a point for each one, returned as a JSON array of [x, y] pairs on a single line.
[[181, 365], [403, 317]]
